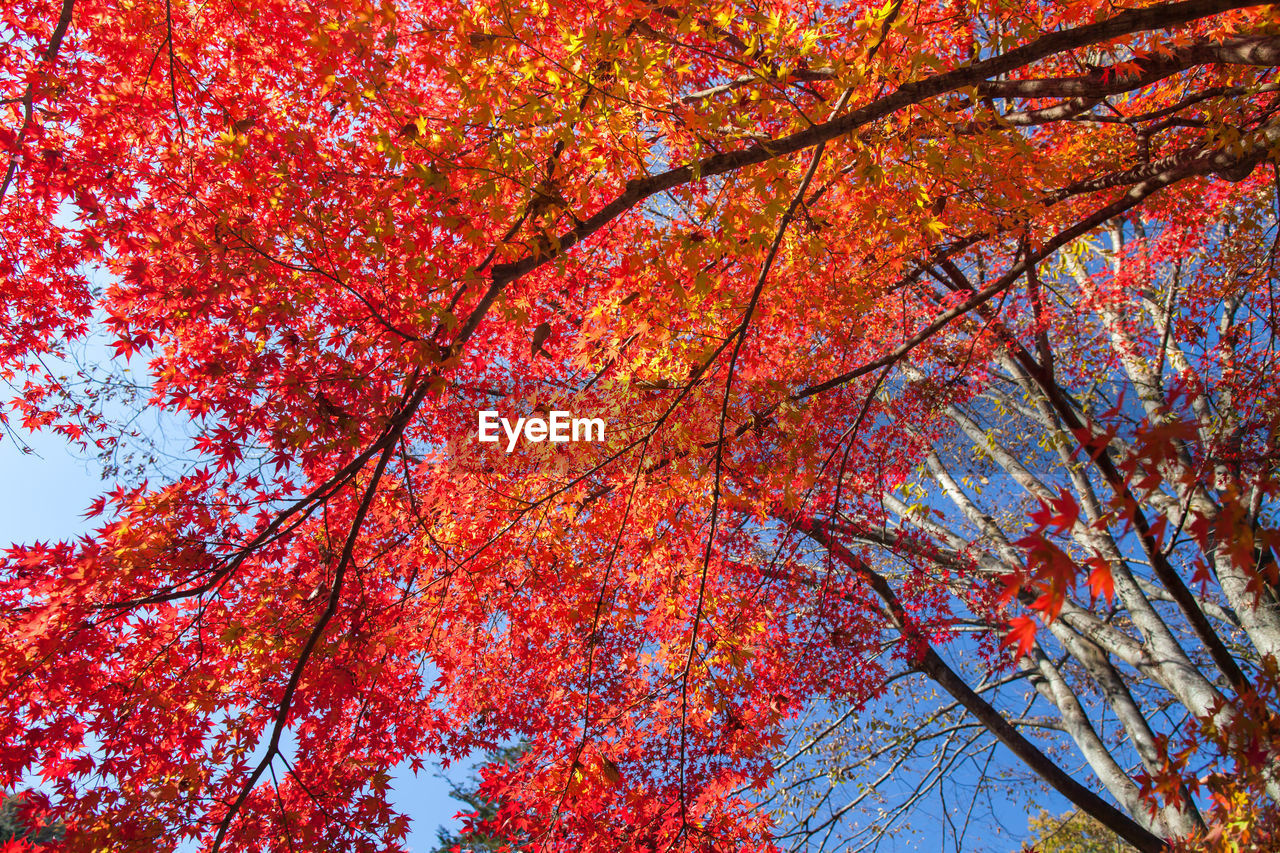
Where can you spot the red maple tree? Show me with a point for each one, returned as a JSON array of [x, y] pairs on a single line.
[[797, 256]]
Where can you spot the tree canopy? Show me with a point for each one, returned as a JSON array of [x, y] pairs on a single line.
[[1071, 833], [933, 343]]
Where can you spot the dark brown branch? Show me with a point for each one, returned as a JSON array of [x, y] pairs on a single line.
[[1259, 51], [29, 97], [317, 633], [1162, 16], [1160, 564], [1190, 164], [932, 665]]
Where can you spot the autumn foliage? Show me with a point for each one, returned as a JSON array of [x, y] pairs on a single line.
[[933, 338]]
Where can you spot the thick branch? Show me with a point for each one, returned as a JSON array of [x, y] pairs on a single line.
[[931, 664], [1163, 16], [1260, 51]]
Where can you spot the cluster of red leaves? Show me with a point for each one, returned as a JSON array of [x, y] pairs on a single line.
[[1241, 814], [331, 232]]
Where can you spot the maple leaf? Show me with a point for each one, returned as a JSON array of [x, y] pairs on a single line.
[[1021, 634], [1101, 583]]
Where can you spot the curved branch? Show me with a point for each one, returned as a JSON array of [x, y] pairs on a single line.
[[1094, 86], [931, 664]]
